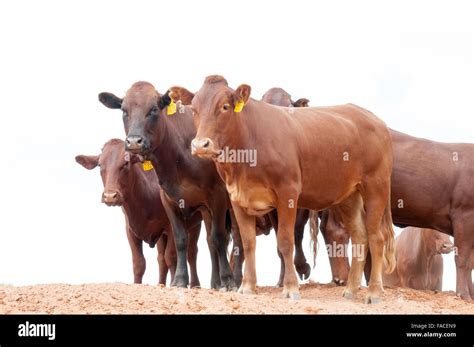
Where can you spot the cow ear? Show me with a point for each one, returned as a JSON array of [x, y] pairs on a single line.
[[301, 103], [110, 100], [182, 94], [88, 161], [241, 96]]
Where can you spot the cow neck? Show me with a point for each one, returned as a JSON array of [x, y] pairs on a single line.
[[136, 200], [174, 149]]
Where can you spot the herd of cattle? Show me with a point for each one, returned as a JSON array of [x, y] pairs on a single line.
[[339, 167]]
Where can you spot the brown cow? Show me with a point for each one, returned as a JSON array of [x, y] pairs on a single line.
[[278, 97], [126, 184], [351, 155], [419, 259], [190, 186], [432, 188]]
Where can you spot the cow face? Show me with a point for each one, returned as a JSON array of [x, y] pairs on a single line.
[[213, 106], [141, 109], [115, 166], [438, 242]]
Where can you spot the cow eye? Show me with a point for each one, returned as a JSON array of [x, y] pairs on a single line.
[[226, 107], [153, 111]]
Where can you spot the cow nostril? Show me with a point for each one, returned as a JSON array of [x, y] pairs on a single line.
[[139, 141], [206, 144], [114, 195]]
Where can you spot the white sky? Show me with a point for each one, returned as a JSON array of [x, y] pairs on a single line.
[[410, 62]]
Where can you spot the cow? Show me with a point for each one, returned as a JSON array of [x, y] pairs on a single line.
[[313, 158], [161, 132], [278, 97], [418, 252], [137, 191], [432, 188]]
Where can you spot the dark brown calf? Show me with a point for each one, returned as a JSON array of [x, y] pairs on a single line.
[[190, 186], [419, 259], [351, 155], [126, 184]]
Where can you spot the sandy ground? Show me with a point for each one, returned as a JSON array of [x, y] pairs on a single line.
[[110, 298]]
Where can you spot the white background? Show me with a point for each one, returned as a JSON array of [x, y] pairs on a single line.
[[410, 62]]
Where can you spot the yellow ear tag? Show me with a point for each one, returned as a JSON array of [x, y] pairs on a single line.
[[147, 165], [239, 106], [171, 108]]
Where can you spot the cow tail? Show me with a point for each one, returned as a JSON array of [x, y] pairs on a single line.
[[314, 229], [389, 236]]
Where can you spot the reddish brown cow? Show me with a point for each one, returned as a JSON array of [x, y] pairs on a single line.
[[278, 97], [190, 186], [432, 188], [353, 172], [419, 259], [137, 191]]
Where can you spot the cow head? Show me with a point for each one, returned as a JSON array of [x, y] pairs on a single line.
[[279, 97], [437, 242], [214, 105], [115, 165], [141, 109]]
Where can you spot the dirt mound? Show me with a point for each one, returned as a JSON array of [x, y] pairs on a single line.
[[133, 298]]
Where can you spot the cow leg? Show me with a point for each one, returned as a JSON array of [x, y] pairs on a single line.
[[237, 255], [302, 267], [376, 196], [335, 236], [170, 254], [220, 238], [286, 210], [274, 220], [351, 213], [248, 234], [192, 255], [162, 266], [180, 235], [436, 273], [215, 279], [463, 243], [138, 259]]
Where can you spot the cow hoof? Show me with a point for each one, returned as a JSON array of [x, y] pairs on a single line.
[[304, 271], [180, 282], [291, 296], [339, 282], [295, 296], [246, 291], [348, 294], [279, 285], [464, 296], [215, 284], [371, 299]]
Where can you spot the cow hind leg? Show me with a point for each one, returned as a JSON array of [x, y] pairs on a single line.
[[351, 213], [463, 242], [162, 266], [215, 279], [376, 198], [302, 267]]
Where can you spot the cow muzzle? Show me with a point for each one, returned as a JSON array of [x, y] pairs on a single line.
[[111, 198], [203, 147], [446, 247], [135, 144]]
